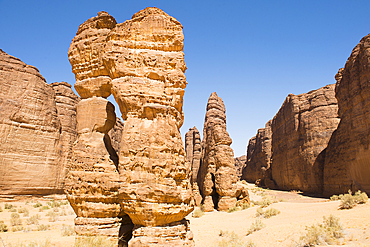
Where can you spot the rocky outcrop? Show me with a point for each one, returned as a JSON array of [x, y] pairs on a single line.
[[347, 157], [193, 151], [217, 174], [66, 101], [140, 61], [36, 130], [240, 163], [300, 132], [258, 155], [115, 135]]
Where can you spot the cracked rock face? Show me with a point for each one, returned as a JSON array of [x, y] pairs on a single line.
[[141, 62], [347, 163], [301, 130], [36, 129]]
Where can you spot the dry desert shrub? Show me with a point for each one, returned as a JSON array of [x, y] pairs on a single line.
[[268, 213], [327, 233], [52, 216], [233, 209], [3, 226], [94, 241], [45, 243], [256, 226], [33, 220], [233, 240], [67, 230], [1, 209], [8, 206], [15, 219], [24, 211], [17, 228], [266, 201], [43, 227], [348, 201]]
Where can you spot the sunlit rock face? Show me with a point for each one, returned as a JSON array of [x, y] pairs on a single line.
[[37, 129], [217, 174], [141, 62], [347, 157]]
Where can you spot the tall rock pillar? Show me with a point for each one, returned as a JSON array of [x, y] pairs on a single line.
[[92, 181]]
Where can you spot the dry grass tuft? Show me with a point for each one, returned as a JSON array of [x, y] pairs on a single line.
[[233, 240], [256, 226], [95, 241]]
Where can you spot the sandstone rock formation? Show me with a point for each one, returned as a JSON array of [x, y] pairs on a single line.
[[300, 131], [115, 135], [217, 174], [240, 163], [347, 157], [66, 101], [36, 129], [193, 150], [258, 155], [140, 61]]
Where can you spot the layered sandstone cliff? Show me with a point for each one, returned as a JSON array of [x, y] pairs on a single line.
[[258, 156], [36, 128], [300, 132], [347, 157], [140, 61]]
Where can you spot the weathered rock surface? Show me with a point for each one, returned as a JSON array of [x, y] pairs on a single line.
[[66, 101], [347, 157], [193, 151], [217, 174], [31, 133], [258, 155], [240, 163], [142, 63], [93, 181], [300, 132], [115, 135]]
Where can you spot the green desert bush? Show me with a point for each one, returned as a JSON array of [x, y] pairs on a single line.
[[67, 230], [8, 206], [348, 201], [94, 241], [37, 205], [233, 209], [233, 240], [197, 213], [3, 226], [256, 226], [328, 232], [15, 219]]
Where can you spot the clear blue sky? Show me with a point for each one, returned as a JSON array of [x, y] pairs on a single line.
[[252, 53]]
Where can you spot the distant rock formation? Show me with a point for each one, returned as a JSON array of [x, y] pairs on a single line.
[[36, 129], [140, 61], [217, 177], [347, 157], [258, 155], [286, 154], [240, 163]]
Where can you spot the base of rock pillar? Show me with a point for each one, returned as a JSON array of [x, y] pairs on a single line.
[[226, 202], [97, 226], [174, 234], [208, 204]]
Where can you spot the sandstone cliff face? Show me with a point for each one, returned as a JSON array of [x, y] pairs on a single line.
[[66, 101], [300, 132], [258, 155], [142, 63], [30, 131], [240, 163], [347, 157], [217, 174], [115, 135]]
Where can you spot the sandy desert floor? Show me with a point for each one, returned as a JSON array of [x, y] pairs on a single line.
[[284, 229]]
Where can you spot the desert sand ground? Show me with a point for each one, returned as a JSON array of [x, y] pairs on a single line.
[[284, 229]]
